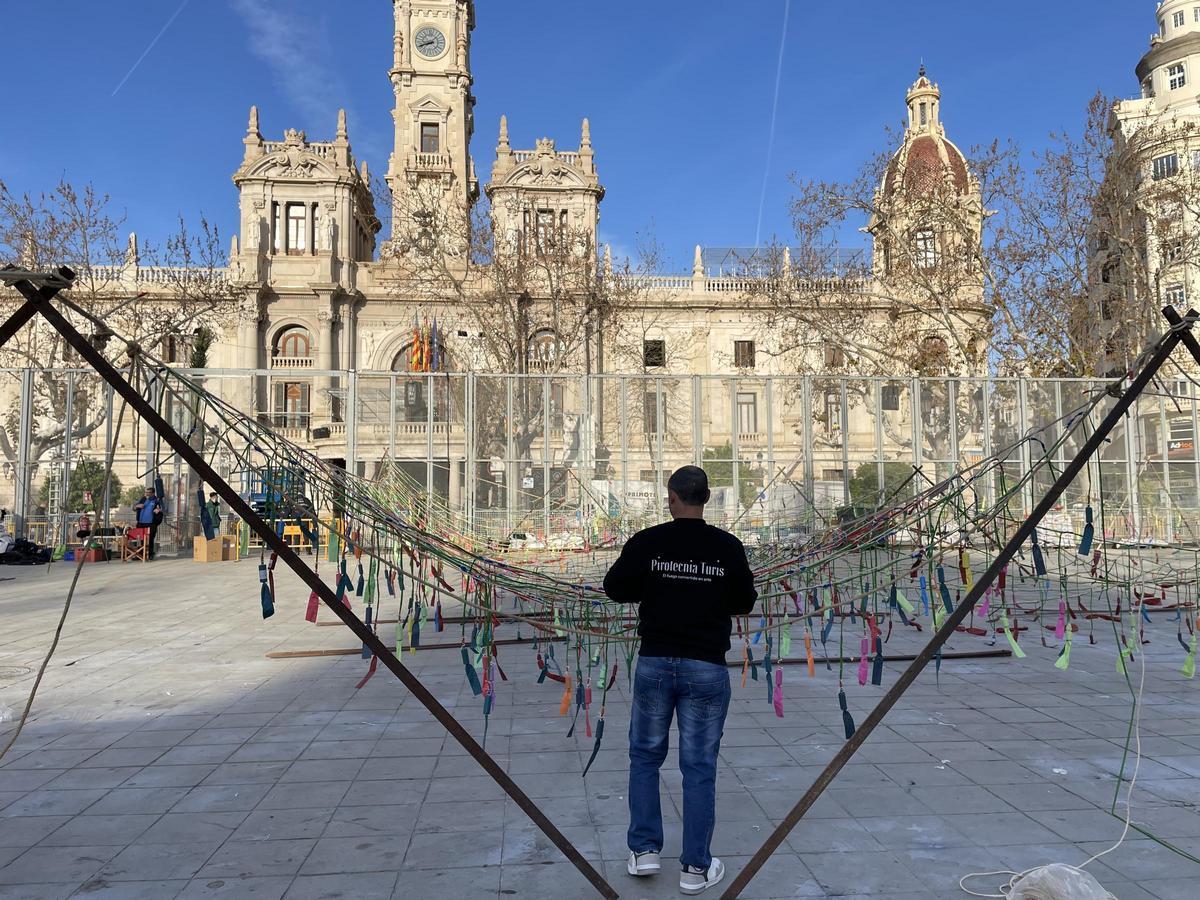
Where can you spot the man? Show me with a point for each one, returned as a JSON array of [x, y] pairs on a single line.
[[214, 511], [689, 579], [149, 511]]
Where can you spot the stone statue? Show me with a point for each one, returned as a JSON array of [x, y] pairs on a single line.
[[329, 232]]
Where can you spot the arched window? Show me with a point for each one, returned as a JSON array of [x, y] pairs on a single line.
[[412, 393], [542, 354], [426, 355], [933, 357], [293, 343]]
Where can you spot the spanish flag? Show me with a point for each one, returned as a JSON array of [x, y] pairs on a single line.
[[415, 361]]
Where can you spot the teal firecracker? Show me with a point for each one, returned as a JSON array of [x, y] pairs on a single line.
[[344, 585], [847, 719], [366, 650], [1039, 562], [1089, 533], [268, 601]]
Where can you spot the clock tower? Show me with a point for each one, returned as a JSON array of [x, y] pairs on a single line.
[[435, 109]]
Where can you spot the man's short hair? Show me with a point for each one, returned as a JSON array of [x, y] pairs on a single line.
[[690, 485]]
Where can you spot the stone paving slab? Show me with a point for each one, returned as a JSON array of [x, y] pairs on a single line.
[[168, 758]]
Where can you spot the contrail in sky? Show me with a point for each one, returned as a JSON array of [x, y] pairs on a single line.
[[787, 10], [146, 52]]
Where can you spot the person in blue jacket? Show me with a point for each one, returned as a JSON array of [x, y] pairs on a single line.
[[149, 512]]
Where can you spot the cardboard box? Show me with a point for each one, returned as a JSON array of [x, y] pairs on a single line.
[[206, 551], [229, 547]]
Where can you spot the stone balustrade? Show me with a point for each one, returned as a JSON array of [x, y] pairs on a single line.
[[293, 362], [152, 275], [322, 149], [431, 161], [524, 156], [668, 282]]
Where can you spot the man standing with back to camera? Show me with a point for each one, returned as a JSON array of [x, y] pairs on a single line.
[[689, 579]]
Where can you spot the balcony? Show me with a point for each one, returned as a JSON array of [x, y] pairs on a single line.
[[430, 162], [411, 434], [416, 429], [293, 363], [290, 426]]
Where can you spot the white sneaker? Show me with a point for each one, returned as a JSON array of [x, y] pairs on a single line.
[[694, 880], [645, 863]]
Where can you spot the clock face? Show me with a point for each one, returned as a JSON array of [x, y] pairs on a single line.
[[430, 42]]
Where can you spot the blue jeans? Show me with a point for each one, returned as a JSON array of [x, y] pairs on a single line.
[[699, 693]]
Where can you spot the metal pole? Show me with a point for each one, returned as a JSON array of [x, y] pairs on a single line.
[[844, 411], [1195, 497], [880, 468], [352, 422], [1165, 442], [430, 386], [623, 386], [317, 584], [469, 480], [151, 458], [511, 466], [24, 447], [1132, 458], [546, 458], [17, 320], [392, 418], [989, 486], [1058, 416], [660, 429], [1026, 450], [771, 497], [697, 422], [734, 445], [957, 617], [1193, 347], [180, 499], [585, 464], [807, 446], [65, 490], [108, 449], [952, 419], [918, 433]]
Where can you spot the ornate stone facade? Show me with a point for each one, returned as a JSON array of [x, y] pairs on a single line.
[[318, 300], [1161, 129]]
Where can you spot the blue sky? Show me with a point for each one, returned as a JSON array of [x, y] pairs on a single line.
[[679, 93]]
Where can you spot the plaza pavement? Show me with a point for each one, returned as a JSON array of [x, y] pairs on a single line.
[[168, 757]]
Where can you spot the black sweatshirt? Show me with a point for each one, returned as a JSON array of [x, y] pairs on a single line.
[[689, 578]]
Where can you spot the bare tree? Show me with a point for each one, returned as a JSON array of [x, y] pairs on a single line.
[[1084, 239], [915, 306], [157, 298], [541, 303]]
